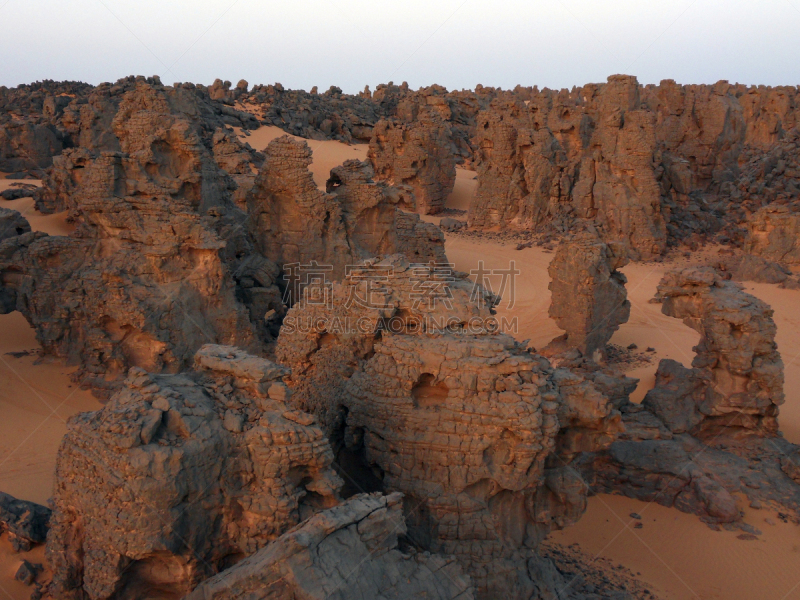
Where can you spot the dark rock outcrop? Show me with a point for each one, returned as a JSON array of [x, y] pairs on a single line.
[[350, 551], [27, 523]]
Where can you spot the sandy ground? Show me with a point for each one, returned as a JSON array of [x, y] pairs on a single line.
[[326, 154], [36, 398], [675, 553]]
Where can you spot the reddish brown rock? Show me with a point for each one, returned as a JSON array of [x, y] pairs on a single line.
[[178, 476], [586, 155], [589, 300], [145, 280], [293, 222], [416, 153], [737, 351], [421, 401], [326, 337], [774, 234], [402, 384]]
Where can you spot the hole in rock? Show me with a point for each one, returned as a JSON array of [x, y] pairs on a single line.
[[351, 463], [333, 182], [160, 576], [427, 393]]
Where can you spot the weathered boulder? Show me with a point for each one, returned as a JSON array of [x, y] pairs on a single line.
[[418, 154], [737, 350], [12, 224], [329, 333], [774, 234], [349, 551], [463, 426], [179, 476], [589, 300], [26, 522], [677, 396]]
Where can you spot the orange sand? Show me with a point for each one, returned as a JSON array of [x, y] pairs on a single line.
[[675, 553], [326, 154]]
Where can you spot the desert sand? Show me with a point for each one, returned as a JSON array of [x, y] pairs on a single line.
[[327, 153], [36, 398], [674, 552]]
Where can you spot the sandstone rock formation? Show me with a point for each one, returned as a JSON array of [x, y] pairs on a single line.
[[142, 282], [165, 258], [774, 234], [179, 476], [589, 300], [737, 353], [465, 427], [587, 156], [643, 161], [417, 154], [706, 434], [327, 335], [404, 368], [293, 222], [39, 121], [350, 551]]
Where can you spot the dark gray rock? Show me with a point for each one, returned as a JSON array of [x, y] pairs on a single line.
[[677, 395], [26, 520]]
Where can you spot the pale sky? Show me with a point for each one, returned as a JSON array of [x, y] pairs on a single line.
[[351, 43]]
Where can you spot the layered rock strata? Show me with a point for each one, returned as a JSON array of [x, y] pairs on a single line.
[[331, 332]]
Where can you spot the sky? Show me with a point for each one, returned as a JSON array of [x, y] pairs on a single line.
[[353, 43]]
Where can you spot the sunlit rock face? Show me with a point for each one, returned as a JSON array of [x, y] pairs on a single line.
[[737, 355], [146, 278], [585, 156], [294, 222], [589, 300], [179, 476], [418, 154], [774, 234]]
